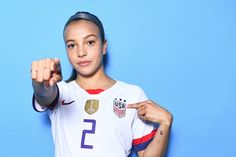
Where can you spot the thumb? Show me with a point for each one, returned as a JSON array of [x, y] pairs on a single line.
[[56, 78]]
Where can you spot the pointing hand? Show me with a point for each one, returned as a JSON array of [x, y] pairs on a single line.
[[46, 72]]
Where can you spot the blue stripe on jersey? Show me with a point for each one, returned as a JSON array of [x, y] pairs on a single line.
[[142, 146]]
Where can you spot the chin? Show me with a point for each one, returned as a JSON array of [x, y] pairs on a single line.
[[86, 74]]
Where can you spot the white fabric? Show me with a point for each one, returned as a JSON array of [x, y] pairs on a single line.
[[112, 135]]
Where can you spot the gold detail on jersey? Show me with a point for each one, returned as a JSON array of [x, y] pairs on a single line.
[[91, 106]]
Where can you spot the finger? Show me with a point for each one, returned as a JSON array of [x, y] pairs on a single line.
[[51, 65], [132, 106], [41, 65], [34, 70], [143, 117], [39, 78], [141, 112], [135, 105], [48, 63], [46, 69], [46, 73]]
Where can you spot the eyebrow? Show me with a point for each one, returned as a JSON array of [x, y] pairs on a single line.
[[94, 35], [87, 36]]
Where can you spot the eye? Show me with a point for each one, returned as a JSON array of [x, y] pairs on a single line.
[[71, 45], [90, 43]]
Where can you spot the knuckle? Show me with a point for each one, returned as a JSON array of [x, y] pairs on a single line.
[[149, 102], [48, 59], [145, 109], [34, 63], [40, 62]]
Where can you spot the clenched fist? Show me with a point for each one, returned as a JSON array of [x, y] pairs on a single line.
[[46, 72]]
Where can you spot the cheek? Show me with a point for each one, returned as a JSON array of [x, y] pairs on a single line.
[[94, 52], [98, 56], [70, 56]]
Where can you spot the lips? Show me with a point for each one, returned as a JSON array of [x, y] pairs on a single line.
[[84, 63]]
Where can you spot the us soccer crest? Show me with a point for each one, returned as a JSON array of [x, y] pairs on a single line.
[[119, 107], [91, 106]]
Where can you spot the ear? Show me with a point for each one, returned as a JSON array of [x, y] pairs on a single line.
[[104, 48]]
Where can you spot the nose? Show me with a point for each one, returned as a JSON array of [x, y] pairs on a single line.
[[81, 52]]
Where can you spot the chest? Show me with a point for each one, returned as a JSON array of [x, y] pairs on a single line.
[[108, 112]]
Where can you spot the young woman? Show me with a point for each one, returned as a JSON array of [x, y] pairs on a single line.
[[92, 114]]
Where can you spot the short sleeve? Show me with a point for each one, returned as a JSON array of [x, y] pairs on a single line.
[[143, 132]]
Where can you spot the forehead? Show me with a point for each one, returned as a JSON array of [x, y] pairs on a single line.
[[81, 28]]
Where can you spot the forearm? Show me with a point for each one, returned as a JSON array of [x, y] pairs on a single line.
[[152, 112], [158, 146], [44, 95]]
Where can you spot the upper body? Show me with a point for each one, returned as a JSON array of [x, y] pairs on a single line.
[[86, 46], [85, 124]]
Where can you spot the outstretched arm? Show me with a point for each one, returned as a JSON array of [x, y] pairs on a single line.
[[45, 74], [152, 112]]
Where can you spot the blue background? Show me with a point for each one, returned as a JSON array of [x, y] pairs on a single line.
[[182, 53]]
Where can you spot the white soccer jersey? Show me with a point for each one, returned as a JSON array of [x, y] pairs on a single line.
[[95, 125]]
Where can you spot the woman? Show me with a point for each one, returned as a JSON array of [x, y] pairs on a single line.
[[91, 113]]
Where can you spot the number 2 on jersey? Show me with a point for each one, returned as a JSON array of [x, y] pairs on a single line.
[[92, 131]]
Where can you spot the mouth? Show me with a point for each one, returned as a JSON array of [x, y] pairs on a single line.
[[84, 63]]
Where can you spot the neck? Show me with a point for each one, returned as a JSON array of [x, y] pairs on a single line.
[[98, 81]]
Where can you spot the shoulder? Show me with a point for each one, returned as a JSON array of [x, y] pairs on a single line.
[[65, 84], [66, 87], [129, 86]]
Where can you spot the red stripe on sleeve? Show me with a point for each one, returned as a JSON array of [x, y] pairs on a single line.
[[144, 138]]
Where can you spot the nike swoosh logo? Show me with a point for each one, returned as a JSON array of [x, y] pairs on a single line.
[[66, 103]]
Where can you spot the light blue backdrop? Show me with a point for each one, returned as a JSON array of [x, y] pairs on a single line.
[[182, 53]]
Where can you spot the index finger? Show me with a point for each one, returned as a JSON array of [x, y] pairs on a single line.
[[57, 65], [135, 105]]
